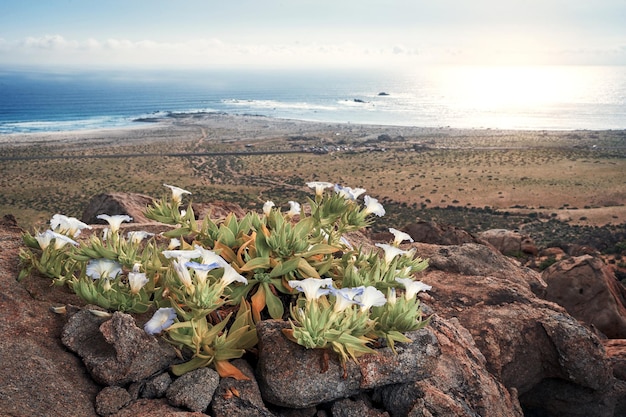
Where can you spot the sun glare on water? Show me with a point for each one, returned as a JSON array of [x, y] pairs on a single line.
[[494, 88]]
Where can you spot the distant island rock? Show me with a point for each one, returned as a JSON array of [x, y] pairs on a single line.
[[382, 93]]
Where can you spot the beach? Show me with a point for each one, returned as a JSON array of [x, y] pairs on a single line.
[[574, 176]]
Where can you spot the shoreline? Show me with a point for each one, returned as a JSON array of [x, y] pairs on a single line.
[[575, 175], [223, 126]]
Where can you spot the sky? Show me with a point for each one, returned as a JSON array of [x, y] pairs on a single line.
[[98, 34]]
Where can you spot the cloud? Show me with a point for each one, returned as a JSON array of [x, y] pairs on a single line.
[[51, 50]]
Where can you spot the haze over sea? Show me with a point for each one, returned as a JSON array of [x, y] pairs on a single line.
[[521, 98]]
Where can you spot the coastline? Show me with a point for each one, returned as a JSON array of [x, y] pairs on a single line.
[[232, 127], [573, 176]]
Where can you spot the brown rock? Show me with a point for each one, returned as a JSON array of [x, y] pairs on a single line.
[[459, 386], [235, 398], [39, 377], [154, 408], [524, 339], [588, 290], [111, 399], [217, 210], [509, 242], [133, 205], [194, 390], [438, 234]]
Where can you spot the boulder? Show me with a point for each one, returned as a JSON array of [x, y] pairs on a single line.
[[439, 234], [194, 390], [509, 242], [291, 376], [526, 340], [131, 204], [460, 384], [588, 290], [39, 377], [115, 350]]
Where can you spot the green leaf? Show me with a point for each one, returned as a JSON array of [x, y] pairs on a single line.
[[256, 263], [274, 305]]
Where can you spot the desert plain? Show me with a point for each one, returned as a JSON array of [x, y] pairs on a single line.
[[576, 178]]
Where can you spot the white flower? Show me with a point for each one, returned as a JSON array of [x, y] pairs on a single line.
[[137, 236], [390, 251], [370, 297], [294, 209], [202, 269], [312, 287], [183, 273], [177, 193], [319, 186], [412, 288], [174, 243], [103, 268], [161, 320], [60, 240], [231, 275], [187, 254], [209, 256], [136, 281], [349, 193], [391, 297], [345, 297], [115, 221], [267, 207], [399, 236], [69, 226], [372, 206]]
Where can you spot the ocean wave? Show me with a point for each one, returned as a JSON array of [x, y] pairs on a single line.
[[275, 104]]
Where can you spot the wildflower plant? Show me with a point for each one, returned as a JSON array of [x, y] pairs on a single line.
[[214, 280]]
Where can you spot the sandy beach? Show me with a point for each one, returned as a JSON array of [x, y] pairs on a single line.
[[575, 176]]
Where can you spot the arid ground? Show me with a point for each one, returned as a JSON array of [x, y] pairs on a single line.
[[574, 178]]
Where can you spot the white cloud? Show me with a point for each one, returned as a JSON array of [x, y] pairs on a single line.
[[56, 50]]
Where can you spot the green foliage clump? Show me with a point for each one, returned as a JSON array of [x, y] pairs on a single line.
[[210, 281]]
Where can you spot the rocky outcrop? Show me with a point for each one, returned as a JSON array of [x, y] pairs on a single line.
[[510, 242], [133, 205], [439, 234], [493, 347], [527, 342], [588, 290]]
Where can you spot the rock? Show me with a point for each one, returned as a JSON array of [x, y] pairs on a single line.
[[616, 351], [39, 377], [291, 376], [509, 242], [115, 351], [154, 408], [133, 205], [525, 340], [460, 385], [156, 387], [439, 234], [358, 407], [217, 210], [111, 399], [194, 390], [479, 260], [235, 398], [588, 290]]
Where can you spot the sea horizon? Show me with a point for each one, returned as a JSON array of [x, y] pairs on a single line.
[[468, 97]]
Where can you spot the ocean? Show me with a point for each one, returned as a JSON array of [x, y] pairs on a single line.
[[523, 98]]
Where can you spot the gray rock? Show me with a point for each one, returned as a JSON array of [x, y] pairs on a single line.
[[115, 351], [193, 390], [111, 399], [157, 387], [291, 376], [235, 398]]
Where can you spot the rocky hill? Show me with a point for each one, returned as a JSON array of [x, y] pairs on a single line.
[[503, 340]]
